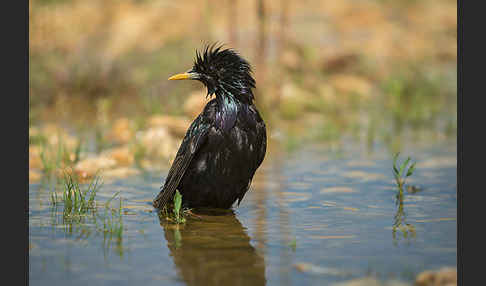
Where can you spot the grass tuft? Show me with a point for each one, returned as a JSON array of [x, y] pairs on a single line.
[[80, 211], [77, 202], [113, 223]]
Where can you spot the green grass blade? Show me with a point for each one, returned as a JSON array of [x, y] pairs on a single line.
[[109, 201], [402, 167], [177, 205], [120, 208], [395, 163], [411, 169]]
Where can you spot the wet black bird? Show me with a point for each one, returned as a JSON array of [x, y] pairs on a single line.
[[226, 143]]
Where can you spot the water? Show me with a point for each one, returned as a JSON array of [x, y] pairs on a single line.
[[312, 217]]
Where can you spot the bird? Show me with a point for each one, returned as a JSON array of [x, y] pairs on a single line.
[[226, 143]]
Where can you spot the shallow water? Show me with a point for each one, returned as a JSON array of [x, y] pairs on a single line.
[[312, 217]]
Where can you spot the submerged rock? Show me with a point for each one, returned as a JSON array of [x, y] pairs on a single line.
[[446, 276]]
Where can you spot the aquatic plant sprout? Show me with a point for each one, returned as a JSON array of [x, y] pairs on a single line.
[[398, 173], [178, 217], [400, 176], [177, 214]]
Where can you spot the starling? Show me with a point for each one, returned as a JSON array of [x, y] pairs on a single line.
[[226, 143]]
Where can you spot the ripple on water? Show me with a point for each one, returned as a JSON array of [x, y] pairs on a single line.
[[340, 213]]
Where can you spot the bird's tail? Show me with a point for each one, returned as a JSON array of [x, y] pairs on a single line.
[[156, 202], [162, 199]]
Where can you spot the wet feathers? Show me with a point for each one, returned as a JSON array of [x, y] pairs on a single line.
[[226, 143]]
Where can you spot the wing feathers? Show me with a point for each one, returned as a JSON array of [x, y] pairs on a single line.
[[194, 138]]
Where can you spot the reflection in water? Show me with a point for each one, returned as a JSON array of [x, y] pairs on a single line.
[[285, 257], [109, 223], [400, 220], [214, 251]]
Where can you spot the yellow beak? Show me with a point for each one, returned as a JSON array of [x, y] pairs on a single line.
[[180, 76]]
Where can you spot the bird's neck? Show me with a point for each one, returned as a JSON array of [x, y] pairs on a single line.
[[227, 111]]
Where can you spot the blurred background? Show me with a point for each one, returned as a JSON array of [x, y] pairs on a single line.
[[343, 86], [370, 69]]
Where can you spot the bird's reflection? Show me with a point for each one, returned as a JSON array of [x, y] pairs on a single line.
[[214, 250]]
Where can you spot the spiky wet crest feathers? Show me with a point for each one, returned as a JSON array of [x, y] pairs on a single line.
[[225, 72]]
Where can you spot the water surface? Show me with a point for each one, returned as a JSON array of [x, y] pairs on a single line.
[[312, 217]]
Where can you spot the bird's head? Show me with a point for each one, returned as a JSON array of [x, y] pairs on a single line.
[[223, 71]]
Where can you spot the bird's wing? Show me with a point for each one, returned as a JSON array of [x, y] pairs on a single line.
[[196, 135], [261, 135]]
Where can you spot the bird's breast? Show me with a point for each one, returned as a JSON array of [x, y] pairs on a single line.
[[228, 152]]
